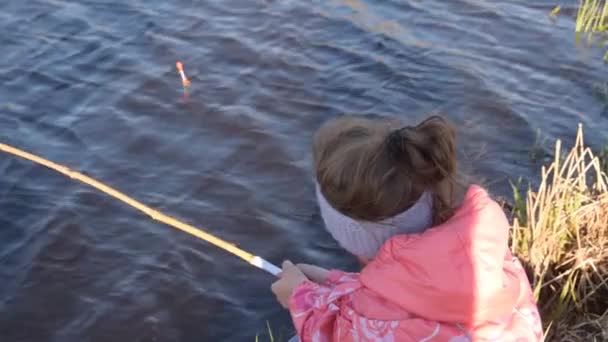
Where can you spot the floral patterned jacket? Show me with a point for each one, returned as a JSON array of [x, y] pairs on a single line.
[[455, 282]]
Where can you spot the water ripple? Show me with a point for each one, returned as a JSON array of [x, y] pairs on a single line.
[[92, 84]]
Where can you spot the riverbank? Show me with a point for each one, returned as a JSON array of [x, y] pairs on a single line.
[[560, 234], [560, 229]]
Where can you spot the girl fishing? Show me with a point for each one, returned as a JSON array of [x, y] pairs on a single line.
[[435, 251]]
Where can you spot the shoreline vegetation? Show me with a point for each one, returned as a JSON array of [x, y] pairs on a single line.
[[591, 19], [560, 233]]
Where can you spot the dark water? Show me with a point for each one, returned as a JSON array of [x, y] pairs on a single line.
[[92, 84]]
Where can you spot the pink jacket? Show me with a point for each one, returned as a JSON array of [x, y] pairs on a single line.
[[455, 282]]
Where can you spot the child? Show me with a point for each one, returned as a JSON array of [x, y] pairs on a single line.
[[437, 264]]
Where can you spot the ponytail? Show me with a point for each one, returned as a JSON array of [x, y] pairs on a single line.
[[427, 154]]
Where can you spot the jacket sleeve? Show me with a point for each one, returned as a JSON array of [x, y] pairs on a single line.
[[315, 309]]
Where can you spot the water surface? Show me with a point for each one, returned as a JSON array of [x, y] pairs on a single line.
[[92, 84]]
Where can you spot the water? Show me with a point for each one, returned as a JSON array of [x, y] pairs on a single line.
[[92, 84]]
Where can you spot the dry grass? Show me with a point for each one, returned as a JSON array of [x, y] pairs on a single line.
[[561, 234]]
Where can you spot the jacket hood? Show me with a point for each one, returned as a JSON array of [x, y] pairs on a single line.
[[453, 272]]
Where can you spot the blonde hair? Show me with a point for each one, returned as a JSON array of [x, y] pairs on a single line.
[[372, 169]]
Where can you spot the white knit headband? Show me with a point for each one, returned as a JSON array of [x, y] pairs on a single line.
[[364, 238]]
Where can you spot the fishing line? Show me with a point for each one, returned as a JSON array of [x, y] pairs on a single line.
[[154, 214]]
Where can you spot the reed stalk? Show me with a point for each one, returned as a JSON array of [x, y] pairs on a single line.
[[562, 238]]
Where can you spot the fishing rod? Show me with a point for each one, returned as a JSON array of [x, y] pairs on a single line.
[[154, 214]]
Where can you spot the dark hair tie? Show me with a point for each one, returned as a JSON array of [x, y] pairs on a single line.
[[395, 143]]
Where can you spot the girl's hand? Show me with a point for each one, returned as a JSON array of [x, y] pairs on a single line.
[[314, 273], [289, 279]]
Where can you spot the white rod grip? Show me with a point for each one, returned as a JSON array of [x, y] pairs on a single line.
[[266, 266]]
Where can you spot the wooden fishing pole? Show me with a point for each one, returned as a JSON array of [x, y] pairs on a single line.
[[154, 214]]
